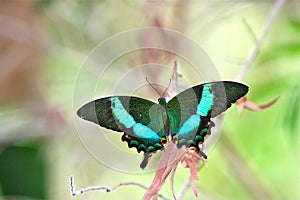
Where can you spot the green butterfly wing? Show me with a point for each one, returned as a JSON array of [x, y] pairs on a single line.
[[99, 112], [225, 94], [140, 120], [190, 111]]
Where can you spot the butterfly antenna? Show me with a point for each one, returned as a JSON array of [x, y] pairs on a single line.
[[153, 87], [167, 88]]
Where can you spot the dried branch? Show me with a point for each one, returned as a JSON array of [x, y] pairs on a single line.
[[187, 183], [250, 30], [75, 192], [261, 38], [173, 89]]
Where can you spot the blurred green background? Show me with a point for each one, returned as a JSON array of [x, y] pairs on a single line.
[[42, 46]]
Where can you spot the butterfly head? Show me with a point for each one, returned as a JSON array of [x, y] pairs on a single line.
[[162, 101]]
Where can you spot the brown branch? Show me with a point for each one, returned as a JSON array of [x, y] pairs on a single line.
[[75, 192], [250, 30], [261, 38], [187, 183]]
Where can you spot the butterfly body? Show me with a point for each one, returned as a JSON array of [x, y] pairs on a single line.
[[186, 118]]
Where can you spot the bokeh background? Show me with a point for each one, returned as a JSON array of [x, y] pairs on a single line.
[[43, 44]]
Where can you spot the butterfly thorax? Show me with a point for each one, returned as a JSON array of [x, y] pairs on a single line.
[[162, 101]]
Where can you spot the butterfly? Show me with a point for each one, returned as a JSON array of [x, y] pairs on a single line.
[[147, 126]]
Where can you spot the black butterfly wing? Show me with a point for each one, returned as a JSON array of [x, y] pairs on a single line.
[[140, 120], [190, 111], [99, 112], [225, 94]]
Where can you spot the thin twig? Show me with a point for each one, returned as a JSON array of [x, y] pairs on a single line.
[[186, 185], [75, 192], [250, 30], [173, 89], [261, 38]]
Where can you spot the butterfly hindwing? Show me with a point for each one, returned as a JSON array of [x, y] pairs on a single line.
[[139, 119], [190, 111]]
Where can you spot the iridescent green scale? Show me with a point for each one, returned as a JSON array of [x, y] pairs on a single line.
[[147, 125]]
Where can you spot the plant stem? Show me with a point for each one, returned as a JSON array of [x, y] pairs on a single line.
[[261, 38]]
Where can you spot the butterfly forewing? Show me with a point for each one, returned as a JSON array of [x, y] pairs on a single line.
[[140, 120], [99, 112], [225, 94]]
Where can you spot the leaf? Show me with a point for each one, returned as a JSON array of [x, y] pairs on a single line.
[[291, 116], [168, 162], [295, 25], [191, 160], [245, 103], [22, 171]]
